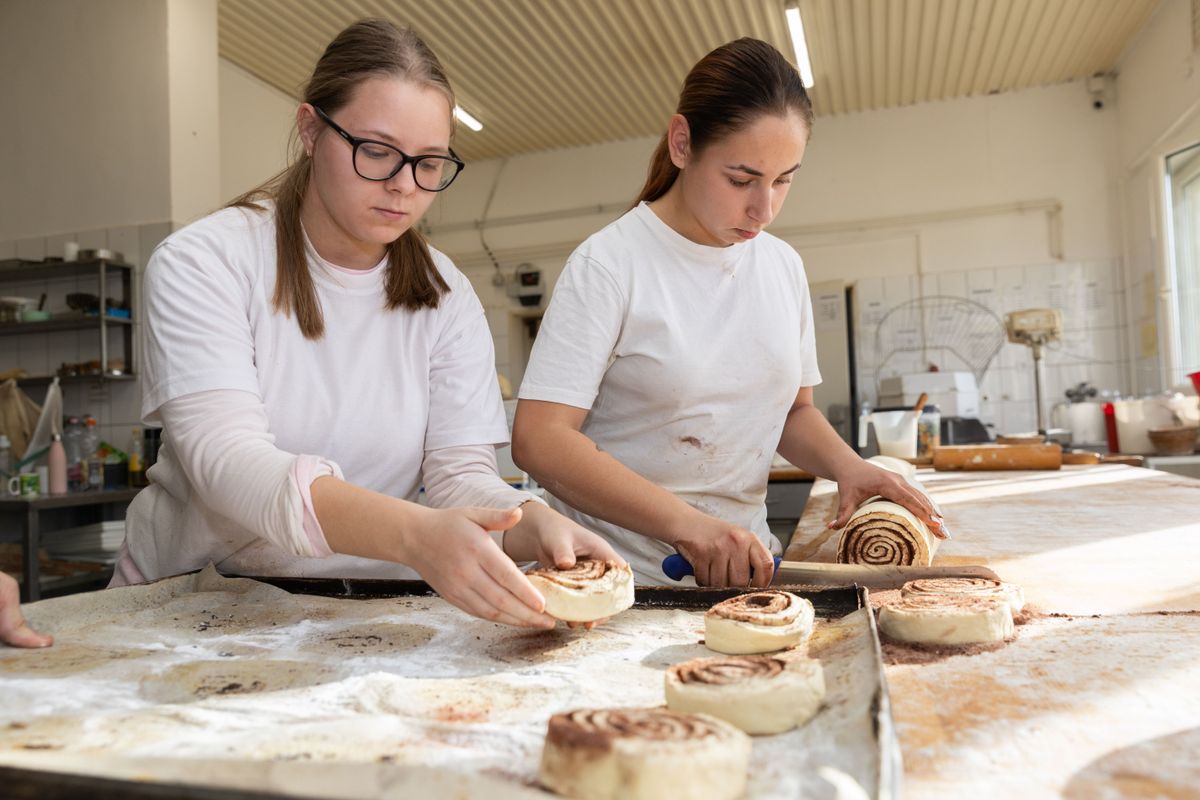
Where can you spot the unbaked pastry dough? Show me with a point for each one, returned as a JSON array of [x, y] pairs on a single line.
[[586, 592], [881, 532], [758, 622], [947, 619], [643, 754], [759, 694], [972, 587]]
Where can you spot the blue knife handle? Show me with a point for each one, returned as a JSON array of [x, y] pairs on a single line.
[[676, 567]]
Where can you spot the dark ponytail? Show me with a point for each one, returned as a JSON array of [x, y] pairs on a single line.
[[725, 92]]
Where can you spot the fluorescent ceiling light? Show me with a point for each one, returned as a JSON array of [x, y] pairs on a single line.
[[800, 45], [466, 119]]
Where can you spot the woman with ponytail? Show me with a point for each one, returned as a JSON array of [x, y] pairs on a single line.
[[313, 362], [677, 354]]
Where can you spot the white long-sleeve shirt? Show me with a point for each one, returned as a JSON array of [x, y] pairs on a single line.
[[253, 412]]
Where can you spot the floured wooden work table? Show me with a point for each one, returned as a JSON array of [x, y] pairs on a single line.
[[1099, 694]]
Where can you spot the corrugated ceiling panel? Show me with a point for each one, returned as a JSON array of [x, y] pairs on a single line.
[[545, 74]]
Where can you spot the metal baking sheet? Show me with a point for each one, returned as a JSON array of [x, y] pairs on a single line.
[[224, 688]]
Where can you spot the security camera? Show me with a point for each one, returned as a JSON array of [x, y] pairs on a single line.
[[526, 285]]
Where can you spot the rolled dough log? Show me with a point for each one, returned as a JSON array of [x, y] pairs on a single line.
[[643, 754], [758, 622], [759, 694], [947, 619], [886, 533], [586, 592], [971, 587]]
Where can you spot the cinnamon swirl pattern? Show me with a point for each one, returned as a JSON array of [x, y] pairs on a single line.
[[885, 533], [759, 694], [947, 619], [643, 753], [589, 591], [971, 587], [758, 622]]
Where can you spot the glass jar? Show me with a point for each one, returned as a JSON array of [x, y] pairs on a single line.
[[929, 431]]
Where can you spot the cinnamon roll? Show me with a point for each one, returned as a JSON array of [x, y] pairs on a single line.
[[971, 587], [586, 592], [947, 619], [758, 622], [643, 754], [885, 533], [759, 694]]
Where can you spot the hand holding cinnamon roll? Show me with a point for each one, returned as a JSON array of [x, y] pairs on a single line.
[[589, 591]]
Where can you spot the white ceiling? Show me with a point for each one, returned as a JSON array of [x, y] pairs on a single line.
[[546, 74]]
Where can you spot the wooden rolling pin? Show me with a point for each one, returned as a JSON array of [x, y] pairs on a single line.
[[983, 457]]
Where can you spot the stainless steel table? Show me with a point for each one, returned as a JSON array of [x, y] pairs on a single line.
[[29, 510]]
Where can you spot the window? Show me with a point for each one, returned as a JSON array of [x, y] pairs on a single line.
[[1183, 190]]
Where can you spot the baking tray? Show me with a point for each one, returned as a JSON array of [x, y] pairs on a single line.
[[859, 735]]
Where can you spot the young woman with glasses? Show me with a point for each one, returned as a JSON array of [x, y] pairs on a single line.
[[313, 362], [677, 354]]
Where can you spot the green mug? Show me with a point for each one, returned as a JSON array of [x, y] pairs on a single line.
[[24, 485]]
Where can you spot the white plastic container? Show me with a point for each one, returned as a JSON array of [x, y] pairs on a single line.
[[895, 431]]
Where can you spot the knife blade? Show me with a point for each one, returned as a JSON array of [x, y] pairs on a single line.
[[871, 576]]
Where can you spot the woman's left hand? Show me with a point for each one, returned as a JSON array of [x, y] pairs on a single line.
[[545, 536], [865, 481]]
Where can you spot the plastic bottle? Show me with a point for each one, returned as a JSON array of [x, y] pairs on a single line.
[[94, 472], [73, 445], [137, 467], [5, 455], [56, 460]]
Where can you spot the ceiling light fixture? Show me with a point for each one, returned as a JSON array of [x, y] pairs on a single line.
[[799, 44], [466, 119]]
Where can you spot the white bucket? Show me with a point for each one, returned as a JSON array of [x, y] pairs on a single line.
[[896, 432]]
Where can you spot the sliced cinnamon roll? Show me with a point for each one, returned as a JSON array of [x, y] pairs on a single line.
[[947, 619], [971, 587], [643, 754], [886, 534], [759, 694], [586, 592], [758, 622]]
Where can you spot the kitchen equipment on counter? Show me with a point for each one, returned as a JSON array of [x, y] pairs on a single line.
[[1136, 417], [1035, 328], [1085, 421], [964, 430], [100, 253], [956, 394], [1178, 440], [1195, 376], [895, 431]]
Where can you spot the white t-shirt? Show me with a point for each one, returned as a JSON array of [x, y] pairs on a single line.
[[373, 394], [688, 359]]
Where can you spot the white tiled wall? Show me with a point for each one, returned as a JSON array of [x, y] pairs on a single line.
[[1092, 302], [115, 405]]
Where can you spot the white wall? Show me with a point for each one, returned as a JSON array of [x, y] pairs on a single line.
[[255, 122], [920, 200], [1159, 97], [193, 106], [84, 93], [109, 140]]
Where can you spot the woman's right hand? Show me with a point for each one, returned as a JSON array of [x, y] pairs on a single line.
[[723, 554], [454, 554]]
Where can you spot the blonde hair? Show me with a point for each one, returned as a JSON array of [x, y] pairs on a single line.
[[368, 48]]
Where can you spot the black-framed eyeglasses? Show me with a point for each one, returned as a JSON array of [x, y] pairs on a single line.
[[380, 161]]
